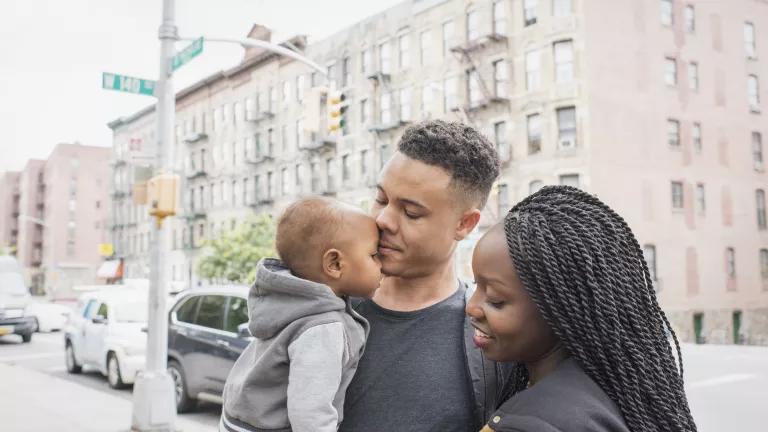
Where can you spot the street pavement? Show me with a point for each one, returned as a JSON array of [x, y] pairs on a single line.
[[727, 388]]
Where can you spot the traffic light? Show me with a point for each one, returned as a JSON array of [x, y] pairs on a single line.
[[336, 111]]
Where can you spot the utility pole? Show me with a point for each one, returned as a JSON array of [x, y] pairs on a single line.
[[154, 403]]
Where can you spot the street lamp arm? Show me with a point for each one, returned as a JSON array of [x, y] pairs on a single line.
[[269, 46]]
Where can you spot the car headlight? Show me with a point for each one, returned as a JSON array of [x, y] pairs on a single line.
[[14, 313]]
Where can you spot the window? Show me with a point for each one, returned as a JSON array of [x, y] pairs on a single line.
[[473, 88], [693, 76], [425, 46], [346, 72], [330, 184], [532, 67], [535, 186], [272, 99], [730, 263], [239, 113], [261, 102], [764, 264], [365, 62], [649, 253], [228, 115], [299, 133], [534, 133], [211, 312], [427, 101], [569, 180], [500, 137], [284, 138], [331, 74], [384, 58], [502, 200], [284, 188], [562, 8], [365, 111], [473, 25], [300, 87], [188, 311], [500, 17], [345, 172], [760, 204], [449, 94], [286, 91], [696, 137], [566, 126], [404, 51], [405, 104], [701, 199], [749, 40], [667, 17], [500, 78], [363, 163], [448, 31], [314, 172], [690, 19], [529, 11], [270, 142], [673, 133], [246, 191], [563, 61], [670, 71], [385, 108], [677, 195], [270, 185], [753, 93], [237, 313], [757, 150]]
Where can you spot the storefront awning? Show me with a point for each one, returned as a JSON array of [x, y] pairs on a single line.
[[112, 269]]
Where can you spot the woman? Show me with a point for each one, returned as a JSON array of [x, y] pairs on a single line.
[[563, 291]]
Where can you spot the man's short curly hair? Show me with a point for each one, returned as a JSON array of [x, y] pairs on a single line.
[[470, 158]]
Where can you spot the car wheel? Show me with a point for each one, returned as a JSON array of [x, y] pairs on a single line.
[[35, 325], [113, 372], [26, 337], [72, 366], [184, 403]]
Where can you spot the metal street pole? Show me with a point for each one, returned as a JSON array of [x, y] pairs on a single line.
[[154, 403]]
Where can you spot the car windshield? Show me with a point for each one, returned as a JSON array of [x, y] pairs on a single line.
[[12, 283], [130, 312]]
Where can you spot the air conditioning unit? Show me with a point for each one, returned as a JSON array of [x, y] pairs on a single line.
[[567, 143]]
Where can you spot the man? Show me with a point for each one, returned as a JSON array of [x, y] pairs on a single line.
[[420, 370]]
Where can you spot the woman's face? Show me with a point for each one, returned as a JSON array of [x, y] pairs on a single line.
[[508, 325]]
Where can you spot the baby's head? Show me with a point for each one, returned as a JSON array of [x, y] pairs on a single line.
[[327, 241]]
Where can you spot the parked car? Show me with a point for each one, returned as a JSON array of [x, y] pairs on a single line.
[[14, 299], [48, 317], [207, 331], [107, 332]]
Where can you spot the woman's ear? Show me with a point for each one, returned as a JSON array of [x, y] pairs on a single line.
[[332, 263]]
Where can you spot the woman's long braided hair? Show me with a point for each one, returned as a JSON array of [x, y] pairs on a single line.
[[584, 269]]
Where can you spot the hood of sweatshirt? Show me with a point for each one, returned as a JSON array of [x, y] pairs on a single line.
[[278, 298]]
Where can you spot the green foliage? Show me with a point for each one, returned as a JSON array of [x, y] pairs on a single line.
[[232, 257]]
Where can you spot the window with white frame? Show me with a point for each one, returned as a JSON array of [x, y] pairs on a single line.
[[346, 72], [363, 163], [300, 133], [300, 87], [450, 99], [284, 181], [532, 70], [427, 101], [673, 133], [345, 171], [500, 137], [677, 195], [228, 115], [757, 150], [533, 122], [365, 111], [331, 74], [764, 265], [670, 71], [250, 108], [563, 61], [760, 206], [234, 192], [425, 46], [405, 104], [693, 76], [690, 18], [730, 263], [500, 17], [701, 199], [298, 177], [385, 108], [696, 137], [571, 180], [753, 93], [404, 50], [284, 139], [529, 11], [262, 103], [270, 185], [385, 57], [562, 8], [502, 200], [667, 17], [749, 40], [448, 32], [566, 126], [272, 99], [500, 78], [473, 25], [365, 62], [649, 253], [474, 93], [286, 91]]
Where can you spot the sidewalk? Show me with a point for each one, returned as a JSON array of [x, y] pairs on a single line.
[[33, 402]]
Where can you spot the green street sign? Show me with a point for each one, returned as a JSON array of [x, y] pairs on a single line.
[[184, 56], [127, 84]]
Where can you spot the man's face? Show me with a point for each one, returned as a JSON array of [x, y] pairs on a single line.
[[417, 214]]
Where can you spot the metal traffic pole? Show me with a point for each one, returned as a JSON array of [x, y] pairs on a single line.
[[154, 403]]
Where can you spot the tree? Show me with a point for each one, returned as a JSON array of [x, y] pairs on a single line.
[[232, 257]]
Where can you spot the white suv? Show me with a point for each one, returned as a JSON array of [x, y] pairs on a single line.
[[107, 332]]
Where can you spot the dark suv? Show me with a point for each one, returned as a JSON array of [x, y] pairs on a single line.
[[207, 331]]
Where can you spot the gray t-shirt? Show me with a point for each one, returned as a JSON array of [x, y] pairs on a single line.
[[413, 375]]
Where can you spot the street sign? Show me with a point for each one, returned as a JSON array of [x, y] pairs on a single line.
[[184, 56], [127, 84]]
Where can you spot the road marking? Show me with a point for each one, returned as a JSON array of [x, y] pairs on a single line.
[[31, 356], [725, 379]]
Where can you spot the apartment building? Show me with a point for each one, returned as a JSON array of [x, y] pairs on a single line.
[[653, 105]]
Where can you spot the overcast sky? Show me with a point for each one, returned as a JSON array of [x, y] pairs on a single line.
[[52, 54]]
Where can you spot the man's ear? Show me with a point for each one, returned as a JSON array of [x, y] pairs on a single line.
[[332, 263], [467, 223]]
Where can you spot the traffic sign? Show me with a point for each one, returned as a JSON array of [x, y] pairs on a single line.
[[184, 56], [110, 81]]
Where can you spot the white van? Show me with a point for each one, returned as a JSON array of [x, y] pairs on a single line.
[[14, 299]]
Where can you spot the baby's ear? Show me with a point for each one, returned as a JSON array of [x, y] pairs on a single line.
[[332, 263]]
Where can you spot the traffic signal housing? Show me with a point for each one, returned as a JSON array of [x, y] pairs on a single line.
[[337, 121]]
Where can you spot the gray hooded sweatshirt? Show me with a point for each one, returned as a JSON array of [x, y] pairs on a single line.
[[293, 376]]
